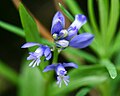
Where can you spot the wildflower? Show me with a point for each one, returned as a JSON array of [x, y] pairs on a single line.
[[60, 71], [68, 37], [42, 50]]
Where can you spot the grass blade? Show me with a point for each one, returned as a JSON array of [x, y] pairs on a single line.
[[8, 73], [66, 12], [113, 20], [14, 29], [115, 46], [83, 91], [110, 67], [77, 83], [80, 53], [92, 16], [103, 15]]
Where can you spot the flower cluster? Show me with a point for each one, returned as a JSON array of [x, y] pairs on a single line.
[[63, 38], [68, 37]]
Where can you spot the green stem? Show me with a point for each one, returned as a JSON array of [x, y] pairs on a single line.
[[55, 56], [55, 60]]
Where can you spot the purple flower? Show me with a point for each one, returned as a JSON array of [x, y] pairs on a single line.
[[42, 50], [60, 71], [68, 37]]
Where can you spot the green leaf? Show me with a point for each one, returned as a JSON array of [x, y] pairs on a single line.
[[92, 16], [29, 25], [20, 32], [110, 67], [80, 53], [117, 59], [115, 46], [66, 12], [113, 20], [83, 91], [14, 29], [8, 73], [103, 15], [31, 82], [76, 83]]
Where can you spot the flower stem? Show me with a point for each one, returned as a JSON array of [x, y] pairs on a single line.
[[55, 56]]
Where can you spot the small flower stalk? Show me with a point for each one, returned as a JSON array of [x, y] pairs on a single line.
[[63, 38]]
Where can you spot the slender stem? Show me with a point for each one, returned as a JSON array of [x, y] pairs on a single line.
[[55, 56], [55, 60]]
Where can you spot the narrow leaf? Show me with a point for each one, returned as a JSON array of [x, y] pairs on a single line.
[[76, 83], [66, 12], [8, 73], [29, 25], [83, 91], [110, 67], [31, 82], [82, 54], [103, 15], [14, 29], [115, 46], [113, 20], [92, 16]]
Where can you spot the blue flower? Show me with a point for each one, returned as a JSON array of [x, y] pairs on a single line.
[[42, 50], [68, 37], [60, 71]]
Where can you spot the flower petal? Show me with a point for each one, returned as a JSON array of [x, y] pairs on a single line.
[[82, 40], [79, 21], [29, 44], [39, 52], [62, 43], [70, 65], [49, 67], [58, 23], [47, 51], [49, 56], [32, 56], [32, 63], [60, 69], [66, 80], [76, 25]]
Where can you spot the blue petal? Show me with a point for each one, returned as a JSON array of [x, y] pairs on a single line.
[[79, 21], [71, 32], [39, 50], [49, 67], [49, 56], [70, 65], [29, 44], [82, 40], [62, 43], [47, 51], [58, 23], [76, 25], [32, 56], [60, 68]]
